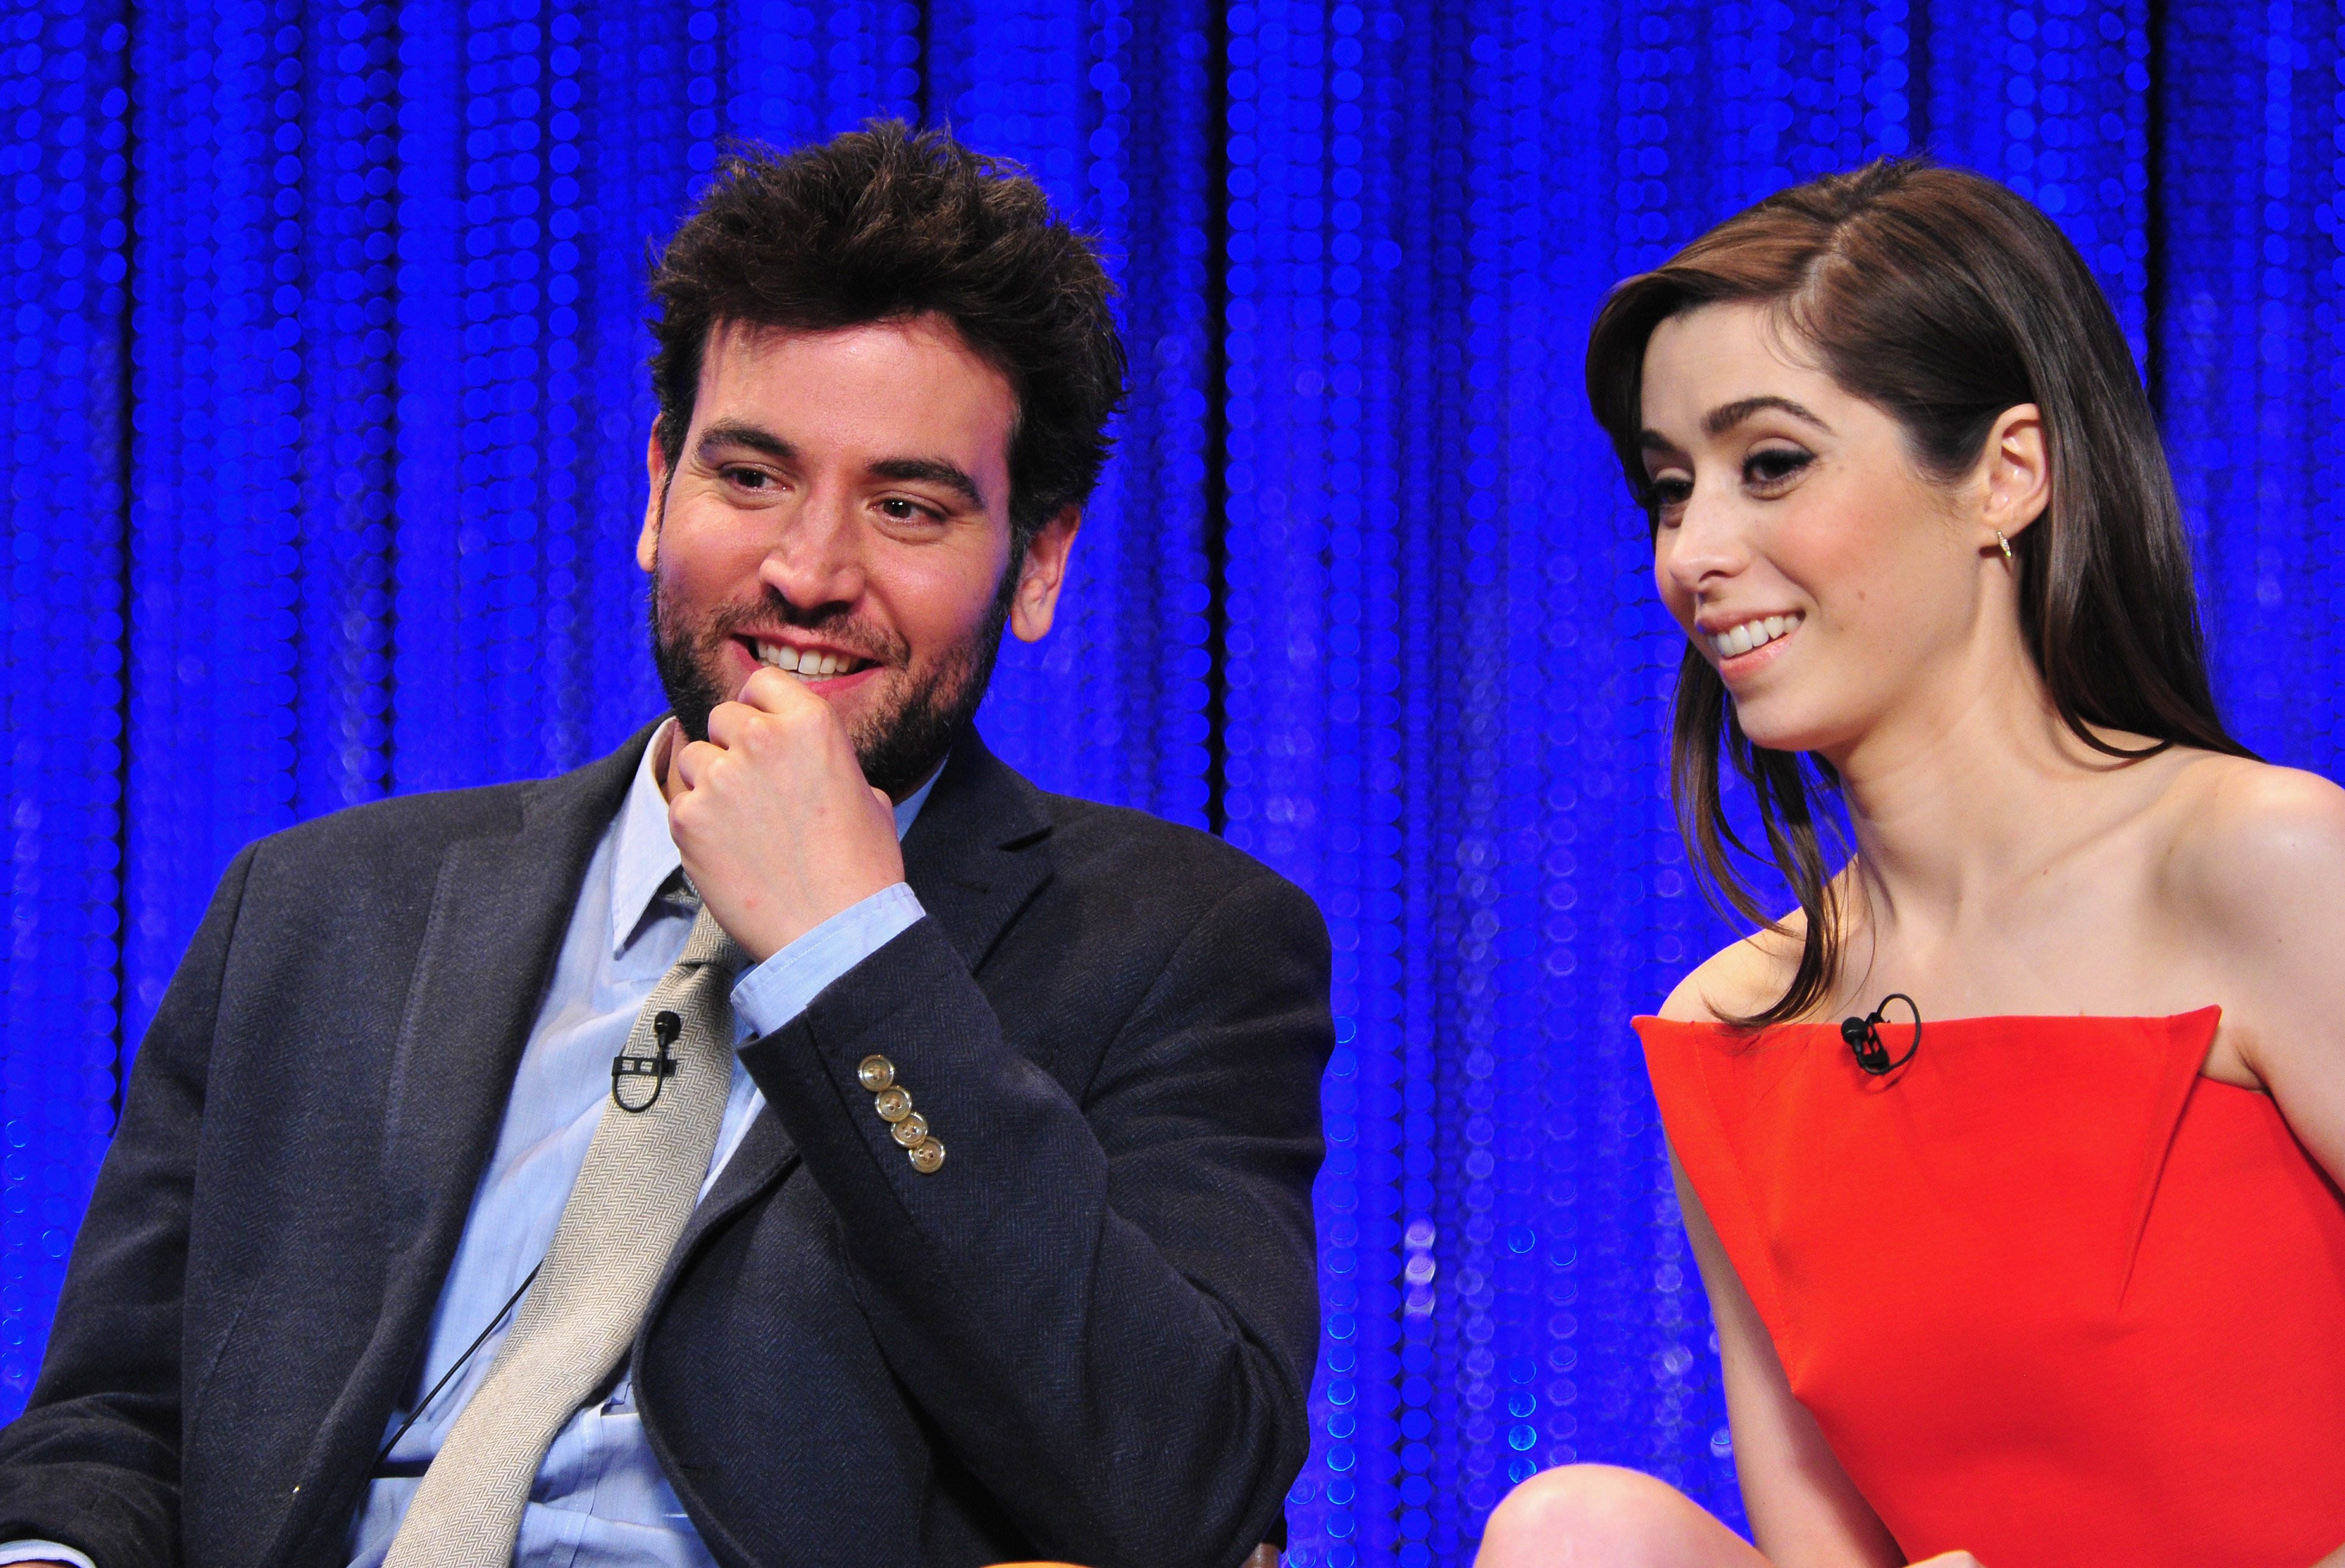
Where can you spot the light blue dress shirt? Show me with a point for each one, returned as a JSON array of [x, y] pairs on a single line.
[[600, 1500]]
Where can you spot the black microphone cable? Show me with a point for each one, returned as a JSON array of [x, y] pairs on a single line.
[[1864, 1038], [425, 1402]]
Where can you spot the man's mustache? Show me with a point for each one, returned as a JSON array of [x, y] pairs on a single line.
[[837, 625]]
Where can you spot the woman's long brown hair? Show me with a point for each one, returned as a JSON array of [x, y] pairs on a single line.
[[1945, 300]]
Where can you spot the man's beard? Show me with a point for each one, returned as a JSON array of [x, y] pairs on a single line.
[[898, 745]]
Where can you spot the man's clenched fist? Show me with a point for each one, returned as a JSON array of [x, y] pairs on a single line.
[[776, 828]]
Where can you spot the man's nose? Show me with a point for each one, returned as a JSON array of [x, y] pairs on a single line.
[[815, 558]]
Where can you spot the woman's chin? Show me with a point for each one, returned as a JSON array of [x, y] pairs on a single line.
[[1768, 726]]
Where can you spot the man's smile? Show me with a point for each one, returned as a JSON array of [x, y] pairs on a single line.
[[807, 663]]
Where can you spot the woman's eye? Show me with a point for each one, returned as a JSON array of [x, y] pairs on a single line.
[[1775, 466], [1672, 491]]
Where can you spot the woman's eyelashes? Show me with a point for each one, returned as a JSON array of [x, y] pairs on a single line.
[[1767, 472], [1773, 469]]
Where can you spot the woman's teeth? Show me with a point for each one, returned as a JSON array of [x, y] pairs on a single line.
[[1753, 634], [810, 665]]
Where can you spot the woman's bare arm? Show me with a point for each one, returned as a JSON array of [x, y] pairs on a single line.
[[2257, 886], [1805, 1511]]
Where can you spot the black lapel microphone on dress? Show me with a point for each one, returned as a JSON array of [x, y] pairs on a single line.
[[1863, 1036]]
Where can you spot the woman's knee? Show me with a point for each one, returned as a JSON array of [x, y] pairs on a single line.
[[1587, 1515]]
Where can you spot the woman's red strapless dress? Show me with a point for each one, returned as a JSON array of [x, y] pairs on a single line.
[[2053, 1297]]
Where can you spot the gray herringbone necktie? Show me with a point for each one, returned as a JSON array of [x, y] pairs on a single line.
[[636, 1190]]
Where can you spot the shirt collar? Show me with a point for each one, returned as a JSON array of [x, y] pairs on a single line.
[[647, 854]]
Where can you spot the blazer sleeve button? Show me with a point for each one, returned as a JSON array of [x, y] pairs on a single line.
[[892, 1104], [928, 1155], [876, 1073], [911, 1129]]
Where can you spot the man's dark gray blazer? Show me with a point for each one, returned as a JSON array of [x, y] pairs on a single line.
[[1086, 1336]]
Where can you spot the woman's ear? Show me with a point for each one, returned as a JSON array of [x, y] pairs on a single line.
[[2018, 474]]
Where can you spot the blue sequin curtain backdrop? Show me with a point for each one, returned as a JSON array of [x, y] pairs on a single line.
[[327, 420]]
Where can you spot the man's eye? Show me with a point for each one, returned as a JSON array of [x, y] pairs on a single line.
[[749, 479], [899, 510]]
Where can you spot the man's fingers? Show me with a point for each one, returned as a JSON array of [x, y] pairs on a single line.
[[770, 690], [724, 723], [690, 764], [764, 812]]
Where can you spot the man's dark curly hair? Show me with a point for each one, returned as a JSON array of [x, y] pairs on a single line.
[[879, 225]]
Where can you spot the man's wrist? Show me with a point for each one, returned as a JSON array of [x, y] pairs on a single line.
[[776, 991]]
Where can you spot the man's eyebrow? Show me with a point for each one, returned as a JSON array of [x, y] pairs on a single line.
[[716, 437], [930, 471], [1726, 416]]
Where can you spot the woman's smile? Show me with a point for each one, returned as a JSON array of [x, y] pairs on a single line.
[[1738, 642]]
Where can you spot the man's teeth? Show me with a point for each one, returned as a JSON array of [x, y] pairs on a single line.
[[1753, 635], [810, 665]]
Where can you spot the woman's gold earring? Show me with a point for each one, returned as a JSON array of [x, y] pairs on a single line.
[[2005, 542]]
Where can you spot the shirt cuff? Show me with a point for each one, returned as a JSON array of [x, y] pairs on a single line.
[[43, 1552], [778, 990]]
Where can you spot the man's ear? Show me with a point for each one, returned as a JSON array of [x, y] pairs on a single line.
[[1043, 574], [2018, 474], [655, 505]]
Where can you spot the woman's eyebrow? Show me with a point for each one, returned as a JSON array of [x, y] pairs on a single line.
[[1726, 416]]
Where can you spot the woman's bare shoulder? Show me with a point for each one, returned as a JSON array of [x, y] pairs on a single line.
[[1742, 978], [2244, 841]]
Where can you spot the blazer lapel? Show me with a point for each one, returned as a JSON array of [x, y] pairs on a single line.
[[499, 912], [980, 851], [497, 921], [764, 1153]]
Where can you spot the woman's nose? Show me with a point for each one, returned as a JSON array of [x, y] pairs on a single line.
[[1708, 540]]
